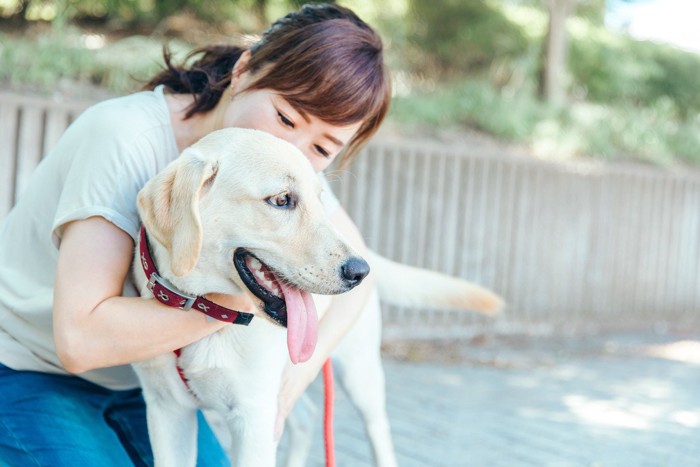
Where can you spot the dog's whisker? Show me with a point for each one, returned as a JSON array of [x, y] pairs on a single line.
[[337, 174]]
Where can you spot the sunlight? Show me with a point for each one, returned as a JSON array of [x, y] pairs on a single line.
[[401, 84], [41, 11], [670, 21], [687, 419], [681, 351], [93, 41], [451, 380], [601, 412], [9, 5]]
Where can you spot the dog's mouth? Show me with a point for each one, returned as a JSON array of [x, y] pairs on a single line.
[[263, 283], [284, 303]]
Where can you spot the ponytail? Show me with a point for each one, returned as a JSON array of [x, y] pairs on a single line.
[[205, 79]]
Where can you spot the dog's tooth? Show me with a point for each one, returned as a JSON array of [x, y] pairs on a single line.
[[255, 263], [268, 284]]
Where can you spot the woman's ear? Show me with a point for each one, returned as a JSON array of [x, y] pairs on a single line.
[[239, 71]]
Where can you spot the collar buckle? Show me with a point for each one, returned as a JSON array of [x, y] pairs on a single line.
[[169, 295], [188, 300]]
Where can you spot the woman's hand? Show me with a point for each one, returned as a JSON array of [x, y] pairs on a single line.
[[240, 302]]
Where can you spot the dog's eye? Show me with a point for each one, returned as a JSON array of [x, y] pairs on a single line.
[[282, 200]]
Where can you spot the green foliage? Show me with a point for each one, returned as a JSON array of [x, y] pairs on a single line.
[[619, 70], [133, 12], [56, 56], [43, 61], [454, 36], [651, 134], [250, 14], [592, 10], [511, 116], [461, 63], [626, 132], [678, 79], [124, 65]]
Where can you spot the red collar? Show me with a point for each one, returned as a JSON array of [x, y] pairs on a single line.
[[167, 294]]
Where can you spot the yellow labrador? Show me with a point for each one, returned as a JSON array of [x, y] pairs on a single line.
[[237, 212]]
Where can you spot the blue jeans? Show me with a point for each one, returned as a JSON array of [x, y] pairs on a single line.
[[56, 420]]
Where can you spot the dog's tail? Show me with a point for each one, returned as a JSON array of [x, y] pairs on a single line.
[[403, 285]]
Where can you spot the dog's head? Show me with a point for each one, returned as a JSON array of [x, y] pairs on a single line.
[[240, 210]]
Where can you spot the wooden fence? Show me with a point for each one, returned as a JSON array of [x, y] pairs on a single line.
[[570, 247], [29, 127]]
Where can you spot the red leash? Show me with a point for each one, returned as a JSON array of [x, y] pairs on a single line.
[[328, 413]]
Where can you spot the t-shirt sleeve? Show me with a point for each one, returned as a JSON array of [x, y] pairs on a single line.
[[103, 170], [328, 198]]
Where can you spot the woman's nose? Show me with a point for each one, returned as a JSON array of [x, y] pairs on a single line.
[[301, 142]]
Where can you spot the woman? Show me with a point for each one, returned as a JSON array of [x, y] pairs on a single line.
[[70, 323]]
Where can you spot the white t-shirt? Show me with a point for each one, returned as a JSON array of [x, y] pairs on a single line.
[[96, 169]]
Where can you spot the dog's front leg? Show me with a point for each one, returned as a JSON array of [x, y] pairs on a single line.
[[171, 412], [252, 433], [173, 434]]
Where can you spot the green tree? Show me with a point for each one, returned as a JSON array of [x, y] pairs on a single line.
[[454, 37]]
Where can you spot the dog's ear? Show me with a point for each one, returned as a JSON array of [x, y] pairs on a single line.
[[169, 207]]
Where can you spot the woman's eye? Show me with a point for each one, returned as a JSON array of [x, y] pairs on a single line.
[[322, 151], [282, 200], [285, 120]]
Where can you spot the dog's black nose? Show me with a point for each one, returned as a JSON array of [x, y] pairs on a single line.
[[354, 270]]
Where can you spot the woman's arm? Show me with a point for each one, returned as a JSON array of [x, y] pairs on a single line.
[[94, 326], [342, 313]]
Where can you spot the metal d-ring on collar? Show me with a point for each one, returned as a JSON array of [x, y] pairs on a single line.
[[167, 294]]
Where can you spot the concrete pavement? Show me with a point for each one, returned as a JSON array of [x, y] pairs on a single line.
[[604, 400]]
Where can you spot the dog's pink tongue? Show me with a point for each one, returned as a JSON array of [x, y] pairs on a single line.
[[302, 323]]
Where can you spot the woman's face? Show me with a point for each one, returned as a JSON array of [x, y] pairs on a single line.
[[263, 109]]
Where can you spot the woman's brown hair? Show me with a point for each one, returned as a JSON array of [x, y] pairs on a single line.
[[323, 59]]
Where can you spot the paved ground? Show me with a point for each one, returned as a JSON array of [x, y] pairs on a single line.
[[615, 400]]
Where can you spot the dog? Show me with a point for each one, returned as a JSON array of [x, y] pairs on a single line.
[[234, 214], [237, 212]]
